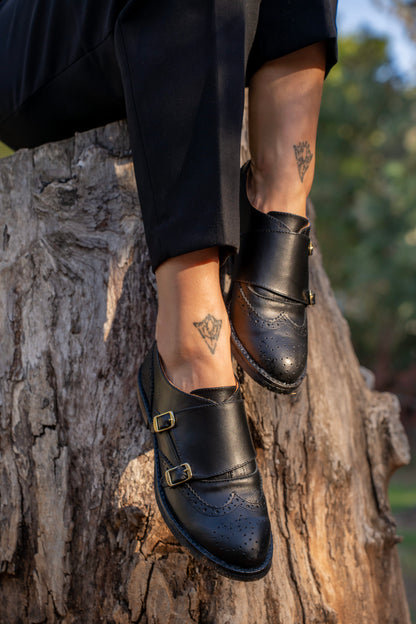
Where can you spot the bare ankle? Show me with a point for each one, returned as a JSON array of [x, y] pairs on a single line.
[[192, 329], [269, 191], [193, 368]]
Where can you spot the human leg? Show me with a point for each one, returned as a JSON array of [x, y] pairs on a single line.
[[294, 48], [184, 104], [270, 290], [284, 101], [67, 67], [190, 105], [192, 329]]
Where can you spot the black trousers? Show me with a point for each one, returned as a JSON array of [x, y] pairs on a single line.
[[177, 69]]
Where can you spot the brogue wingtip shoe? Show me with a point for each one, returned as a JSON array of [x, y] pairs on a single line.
[[207, 483], [269, 295]]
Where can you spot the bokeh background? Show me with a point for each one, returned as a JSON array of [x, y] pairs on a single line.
[[365, 199]]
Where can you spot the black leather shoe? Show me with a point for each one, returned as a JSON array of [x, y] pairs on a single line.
[[208, 486], [269, 296]]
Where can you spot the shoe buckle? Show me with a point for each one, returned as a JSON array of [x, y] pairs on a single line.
[[163, 422], [310, 297], [310, 248], [178, 474]]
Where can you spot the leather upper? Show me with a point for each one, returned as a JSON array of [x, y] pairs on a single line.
[[274, 258]]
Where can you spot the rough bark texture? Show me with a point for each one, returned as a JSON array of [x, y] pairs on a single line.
[[82, 540]]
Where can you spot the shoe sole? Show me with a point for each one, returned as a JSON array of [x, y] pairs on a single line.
[[199, 552], [255, 371]]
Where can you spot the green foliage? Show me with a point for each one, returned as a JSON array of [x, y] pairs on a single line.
[[364, 192], [403, 496]]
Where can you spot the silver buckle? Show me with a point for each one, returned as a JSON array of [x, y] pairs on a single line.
[[187, 476], [171, 422]]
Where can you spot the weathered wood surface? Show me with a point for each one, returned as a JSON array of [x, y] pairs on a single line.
[[82, 540]]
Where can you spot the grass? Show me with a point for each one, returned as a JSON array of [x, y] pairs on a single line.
[[402, 495], [407, 554], [409, 540]]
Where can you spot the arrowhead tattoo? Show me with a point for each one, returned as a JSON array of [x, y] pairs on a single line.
[[303, 157], [210, 329]]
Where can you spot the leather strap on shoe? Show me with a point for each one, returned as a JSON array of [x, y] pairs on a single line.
[[211, 439], [274, 259]]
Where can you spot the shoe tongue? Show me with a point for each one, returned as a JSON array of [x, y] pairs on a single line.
[[215, 394], [293, 222]]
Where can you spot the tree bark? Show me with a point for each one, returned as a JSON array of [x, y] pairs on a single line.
[[82, 540]]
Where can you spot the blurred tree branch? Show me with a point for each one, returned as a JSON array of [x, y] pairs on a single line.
[[405, 10]]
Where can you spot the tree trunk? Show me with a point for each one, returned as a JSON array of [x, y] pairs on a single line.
[[82, 540]]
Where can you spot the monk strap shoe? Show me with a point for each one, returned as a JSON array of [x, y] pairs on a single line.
[[269, 296], [207, 483]]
